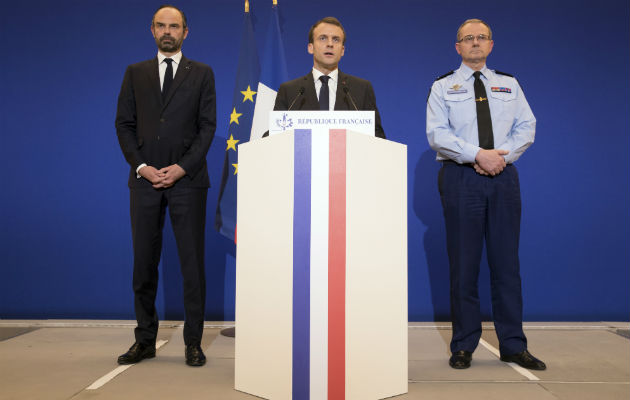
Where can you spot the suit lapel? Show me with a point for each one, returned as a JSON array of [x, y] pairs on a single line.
[[310, 95], [183, 70], [340, 98], [154, 78]]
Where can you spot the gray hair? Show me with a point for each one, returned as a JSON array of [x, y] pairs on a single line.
[[473, 21]]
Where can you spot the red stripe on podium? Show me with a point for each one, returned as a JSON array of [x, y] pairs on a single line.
[[337, 266]]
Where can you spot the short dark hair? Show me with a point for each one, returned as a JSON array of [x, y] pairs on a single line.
[[473, 21], [326, 20], [184, 22]]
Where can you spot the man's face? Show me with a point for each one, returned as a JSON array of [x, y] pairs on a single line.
[[475, 51], [327, 47], [168, 30]]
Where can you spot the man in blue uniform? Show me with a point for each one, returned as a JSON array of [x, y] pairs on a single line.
[[479, 123]]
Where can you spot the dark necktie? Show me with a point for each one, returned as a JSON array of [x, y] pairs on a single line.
[[324, 94], [168, 76], [484, 122]]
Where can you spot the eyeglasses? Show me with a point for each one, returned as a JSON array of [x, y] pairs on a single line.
[[470, 38]]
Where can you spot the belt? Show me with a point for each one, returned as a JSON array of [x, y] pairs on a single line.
[[456, 163], [463, 165]]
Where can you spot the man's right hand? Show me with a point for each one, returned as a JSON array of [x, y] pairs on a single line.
[[151, 174], [491, 161]]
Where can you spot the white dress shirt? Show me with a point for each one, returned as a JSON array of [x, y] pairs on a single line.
[[332, 86], [177, 58], [162, 65]]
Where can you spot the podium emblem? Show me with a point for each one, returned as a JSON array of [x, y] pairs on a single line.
[[285, 122]]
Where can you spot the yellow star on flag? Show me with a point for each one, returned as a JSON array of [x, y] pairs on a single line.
[[234, 116], [235, 168], [248, 94], [231, 143]]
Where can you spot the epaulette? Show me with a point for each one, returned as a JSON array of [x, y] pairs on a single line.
[[444, 76], [506, 74], [503, 73], [437, 79]]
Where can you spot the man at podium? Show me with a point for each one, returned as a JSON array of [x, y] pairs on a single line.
[[325, 87]]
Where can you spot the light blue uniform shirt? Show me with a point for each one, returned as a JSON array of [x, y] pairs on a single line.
[[452, 116]]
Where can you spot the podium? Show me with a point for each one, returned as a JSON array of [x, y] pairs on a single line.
[[321, 266]]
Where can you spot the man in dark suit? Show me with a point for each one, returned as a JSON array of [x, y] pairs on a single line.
[[165, 123], [326, 42]]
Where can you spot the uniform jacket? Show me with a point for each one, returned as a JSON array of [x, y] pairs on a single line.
[[452, 115]]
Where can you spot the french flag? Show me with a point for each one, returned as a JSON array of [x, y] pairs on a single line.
[[273, 73]]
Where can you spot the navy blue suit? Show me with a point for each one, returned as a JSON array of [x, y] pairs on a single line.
[[159, 132]]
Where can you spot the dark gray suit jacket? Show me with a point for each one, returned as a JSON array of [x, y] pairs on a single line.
[[176, 130]]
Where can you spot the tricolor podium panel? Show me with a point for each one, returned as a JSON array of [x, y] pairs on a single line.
[[321, 267]]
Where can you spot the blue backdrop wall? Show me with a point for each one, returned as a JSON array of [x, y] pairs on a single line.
[[65, 242]]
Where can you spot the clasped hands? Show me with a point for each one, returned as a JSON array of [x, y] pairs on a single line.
[[490, 162], [162, 178]]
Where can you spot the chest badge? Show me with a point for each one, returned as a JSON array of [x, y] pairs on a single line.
[[501, 89], [456, 89]]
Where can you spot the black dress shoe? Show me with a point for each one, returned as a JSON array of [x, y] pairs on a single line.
[[525, 360], [460, 359], [195, 356], [137, 353]]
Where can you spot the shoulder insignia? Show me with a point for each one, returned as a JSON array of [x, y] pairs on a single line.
[[506, 74], [503, 73], [445, 75]]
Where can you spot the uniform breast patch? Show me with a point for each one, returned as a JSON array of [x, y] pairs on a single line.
[[501, 89], [455, 89]]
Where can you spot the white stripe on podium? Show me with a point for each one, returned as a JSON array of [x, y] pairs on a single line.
[[319, 266]]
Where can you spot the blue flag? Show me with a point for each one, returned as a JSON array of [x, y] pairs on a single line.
[[239, 127], [273, 73]]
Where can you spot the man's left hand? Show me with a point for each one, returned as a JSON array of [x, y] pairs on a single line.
[[172, 174], [479, 170], [492, 160]]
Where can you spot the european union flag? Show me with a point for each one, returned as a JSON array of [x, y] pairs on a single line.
[[239, 127], [273, 74]]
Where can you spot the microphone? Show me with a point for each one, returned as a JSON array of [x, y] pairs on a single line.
[[300, 93], [347, 92]]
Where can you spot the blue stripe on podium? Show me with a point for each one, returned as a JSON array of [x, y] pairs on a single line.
[[301, 263]]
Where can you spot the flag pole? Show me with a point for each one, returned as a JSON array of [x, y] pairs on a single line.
[[238, 129]]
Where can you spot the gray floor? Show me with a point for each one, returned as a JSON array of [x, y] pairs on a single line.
[[61, 359]]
